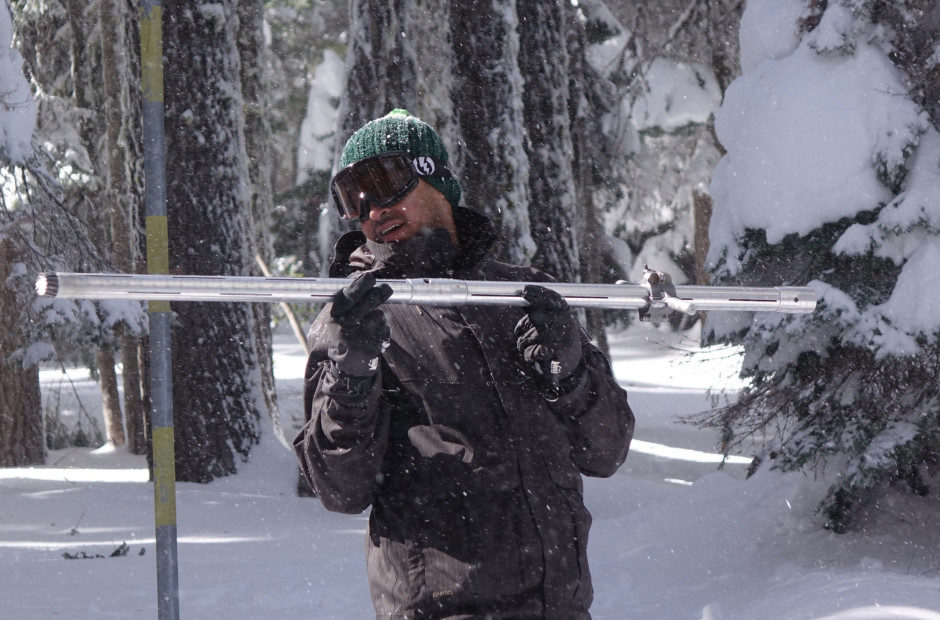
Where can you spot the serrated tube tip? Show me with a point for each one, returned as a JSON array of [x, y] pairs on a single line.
[[47, 285]]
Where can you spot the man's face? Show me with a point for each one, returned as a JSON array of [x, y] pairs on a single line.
[[424, 207]]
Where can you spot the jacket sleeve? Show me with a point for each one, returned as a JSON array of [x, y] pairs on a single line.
[[594, 409], [596, 414], [342, 443]]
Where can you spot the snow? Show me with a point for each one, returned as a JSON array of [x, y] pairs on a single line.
[[676, 94], [16, 99], [315, 148], [131, 313], [605, 57], [37, 352], [901, 233], [673, 536], [821, 129], [768, 30], [914, 305], [802, 133]]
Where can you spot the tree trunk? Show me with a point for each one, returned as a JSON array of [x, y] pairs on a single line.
[[591, 238], [702, 215], [20, 414], [143, 363], [21, 438], [110, 399], [117, 197], [217, 391], [382, 73], [139, 346], [78, 54], [487, 96], [429, 32], [134, 411], [253, 56], [543, 60]]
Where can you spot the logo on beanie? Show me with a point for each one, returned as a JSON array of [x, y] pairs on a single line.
[[423, 165]]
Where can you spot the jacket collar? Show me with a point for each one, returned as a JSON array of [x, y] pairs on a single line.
[[474, 230]]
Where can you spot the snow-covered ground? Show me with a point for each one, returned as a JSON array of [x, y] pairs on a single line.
[[673, 536]]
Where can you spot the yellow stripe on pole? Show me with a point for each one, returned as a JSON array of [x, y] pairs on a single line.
[[158, 255], [151, 52], [164, 476]]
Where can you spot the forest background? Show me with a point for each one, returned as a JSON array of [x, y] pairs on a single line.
[[599, 136]]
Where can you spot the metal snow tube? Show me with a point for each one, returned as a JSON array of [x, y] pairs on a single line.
[[424, 291]]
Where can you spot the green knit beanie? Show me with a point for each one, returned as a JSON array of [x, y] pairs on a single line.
[[400, 131]]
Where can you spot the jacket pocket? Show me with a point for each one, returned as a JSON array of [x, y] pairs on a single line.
[[441, 442], [565, 475], [478, 547]]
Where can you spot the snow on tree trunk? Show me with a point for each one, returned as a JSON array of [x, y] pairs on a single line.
[[135, 351], [118, 196], [543, 63], [487, 95], [382, 77], [381, 59], [428, 40], [831, 178], [111, 400], [254, 59], [217, 385], [584, 126]]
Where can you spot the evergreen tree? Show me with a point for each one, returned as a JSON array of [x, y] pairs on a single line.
[[86, 126], [301, 32], [217, 389], [831, 177], [21, 440], [588, 96], [43, 222]]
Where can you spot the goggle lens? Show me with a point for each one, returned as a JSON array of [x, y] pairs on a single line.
[[380, 180]]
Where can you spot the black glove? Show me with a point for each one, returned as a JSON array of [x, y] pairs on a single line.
[[548, 335], [357, 329]]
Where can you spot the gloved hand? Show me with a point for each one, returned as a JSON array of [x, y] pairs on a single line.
[[357, 329], [548, 335]]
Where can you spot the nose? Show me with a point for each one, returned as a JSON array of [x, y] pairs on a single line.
[[376, 212]]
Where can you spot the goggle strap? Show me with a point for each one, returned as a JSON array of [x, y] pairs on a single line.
[[431, 167]]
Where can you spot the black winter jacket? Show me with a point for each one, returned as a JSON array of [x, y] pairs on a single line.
[[472, 471]]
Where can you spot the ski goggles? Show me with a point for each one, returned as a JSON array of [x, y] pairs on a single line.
[[380, 181]]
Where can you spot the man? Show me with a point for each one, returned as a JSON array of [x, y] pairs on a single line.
[[466, 429]]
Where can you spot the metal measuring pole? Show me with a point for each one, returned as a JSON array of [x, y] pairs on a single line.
[[161, 385], [655, 298]]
